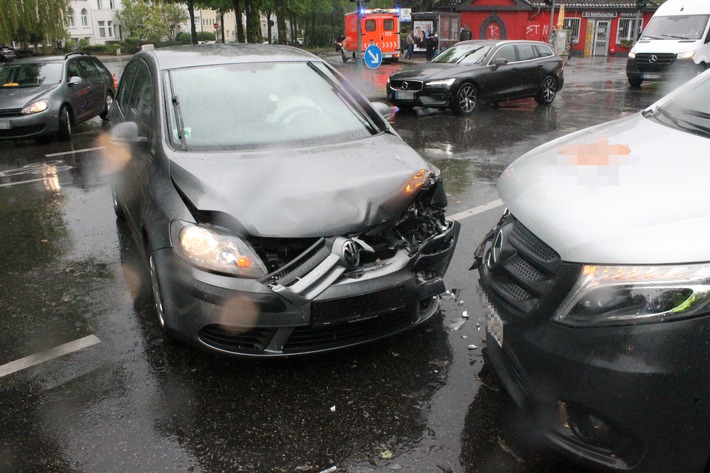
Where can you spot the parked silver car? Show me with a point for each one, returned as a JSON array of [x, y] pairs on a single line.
[[49, 95]]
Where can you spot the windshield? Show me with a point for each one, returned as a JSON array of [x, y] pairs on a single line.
[[30, 74], [689, 111], [238, 106], [471, 53], [676, 27]]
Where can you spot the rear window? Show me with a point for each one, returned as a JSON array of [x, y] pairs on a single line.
[[389, 25], [262, 105], [369, 25]]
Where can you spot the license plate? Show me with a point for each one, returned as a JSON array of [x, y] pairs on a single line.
[[5, 125], [404, 95], [494, 326], [651, 76]]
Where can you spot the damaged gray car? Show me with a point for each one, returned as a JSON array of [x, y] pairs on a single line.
[[277, 210]]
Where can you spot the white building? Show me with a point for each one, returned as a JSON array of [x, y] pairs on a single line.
[[94, 21]]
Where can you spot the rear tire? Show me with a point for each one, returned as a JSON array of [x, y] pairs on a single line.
[[548, 91], [64, 132], [465, 100]]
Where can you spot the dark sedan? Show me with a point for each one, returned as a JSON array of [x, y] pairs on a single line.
[[471, 72], [277, 210]]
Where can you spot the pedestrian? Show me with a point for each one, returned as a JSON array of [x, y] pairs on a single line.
[[410, 45], [432, 44]]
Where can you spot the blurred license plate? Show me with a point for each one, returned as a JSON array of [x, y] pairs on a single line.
[[404, 95], [651, 76], [5, 125], [494, 326]]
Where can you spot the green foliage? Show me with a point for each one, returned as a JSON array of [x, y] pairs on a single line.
[[33, 21], [149, 21]]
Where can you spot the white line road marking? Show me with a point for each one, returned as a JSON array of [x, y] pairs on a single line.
[[476, 210], [22, 182], [52, 353], [85, 150]]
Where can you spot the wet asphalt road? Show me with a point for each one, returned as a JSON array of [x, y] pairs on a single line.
[[128, 401]]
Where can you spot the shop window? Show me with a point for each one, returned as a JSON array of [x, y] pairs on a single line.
[[626, 29], [573, 25]]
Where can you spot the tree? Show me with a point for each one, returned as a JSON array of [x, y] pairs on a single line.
[[33, 20], [149, 21]]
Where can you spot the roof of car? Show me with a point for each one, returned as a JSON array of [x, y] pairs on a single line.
[[63, 58], [496, 42], [209, 54]]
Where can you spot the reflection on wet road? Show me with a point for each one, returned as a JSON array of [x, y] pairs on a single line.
[[420, 402]]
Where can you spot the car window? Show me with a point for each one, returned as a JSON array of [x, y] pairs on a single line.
[[30, 74], [463, 54], [526, 52], [73, 69], [99, 65], [140, 100], [261, 105], [543, 51], [688, 111], [125, 85], [506, 52], [89, 68]]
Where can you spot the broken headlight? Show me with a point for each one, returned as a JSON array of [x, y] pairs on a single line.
[[625, 295], [214, 249]]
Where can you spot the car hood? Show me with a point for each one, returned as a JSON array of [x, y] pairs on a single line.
[[666, 46], [433, 71], [18, 97], [309, 192], [631, 191]]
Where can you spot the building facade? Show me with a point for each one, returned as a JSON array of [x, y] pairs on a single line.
[[94, 21], [595, 27]]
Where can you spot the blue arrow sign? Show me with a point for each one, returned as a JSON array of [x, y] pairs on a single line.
[[373, 56]]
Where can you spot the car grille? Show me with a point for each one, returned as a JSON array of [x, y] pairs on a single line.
[[645, 63], [233, 340], [305, 339], [413, 85], [20, 131], [526, 269], [11, 112]]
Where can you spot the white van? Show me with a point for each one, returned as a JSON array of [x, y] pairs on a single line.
[[675, 43]]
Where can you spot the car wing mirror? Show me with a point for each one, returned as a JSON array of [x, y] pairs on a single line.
[[383, 109], [126, 132], [73, 80], [499, 62]]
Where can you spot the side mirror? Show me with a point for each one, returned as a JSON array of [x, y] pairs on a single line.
[[499, 62], [383, 109], [73, 80], [126, 132]]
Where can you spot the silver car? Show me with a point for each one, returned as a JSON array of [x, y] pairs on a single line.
[[49, 95]]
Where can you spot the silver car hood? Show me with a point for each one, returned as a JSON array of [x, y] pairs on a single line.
[[307, 192], [18, 97], [631, 191]]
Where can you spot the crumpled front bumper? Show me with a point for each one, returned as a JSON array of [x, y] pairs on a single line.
[[324, 308]]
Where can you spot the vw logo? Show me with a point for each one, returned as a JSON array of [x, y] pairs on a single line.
[[350, 254], [494, 254], [653, 59], [405, 85]]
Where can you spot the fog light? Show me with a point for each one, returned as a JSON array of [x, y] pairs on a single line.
[[593, 429]]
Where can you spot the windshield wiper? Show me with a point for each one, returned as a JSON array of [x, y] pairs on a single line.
[[675, 36], [178, 116], [464, 56], [681, 124], [696, 113]]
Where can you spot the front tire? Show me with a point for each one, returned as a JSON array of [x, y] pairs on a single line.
[[635, 82], [108, 101], [64, 132], [117, 209], [548, 91], [465, 100]]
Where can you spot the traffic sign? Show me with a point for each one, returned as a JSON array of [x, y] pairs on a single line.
[[216, 26], [373, 56]]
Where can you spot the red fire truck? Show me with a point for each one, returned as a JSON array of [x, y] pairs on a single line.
[[380, 27]]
